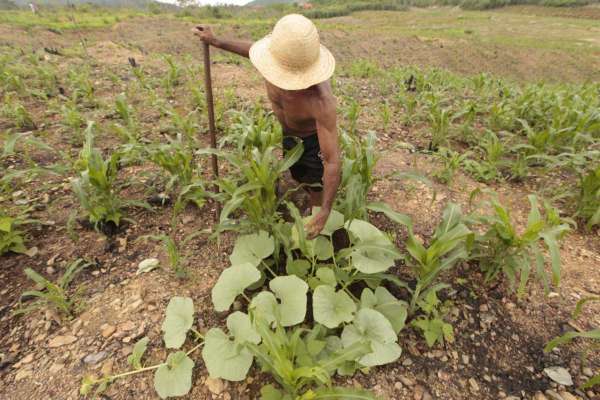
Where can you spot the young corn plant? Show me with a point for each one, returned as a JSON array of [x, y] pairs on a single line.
[[17, 113], [12, 238], [55, 294], [501, 249], [359, 159], [97, 188], [177, 159], [451, 162]]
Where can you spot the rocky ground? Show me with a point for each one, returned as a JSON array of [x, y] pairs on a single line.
[[497, 353]]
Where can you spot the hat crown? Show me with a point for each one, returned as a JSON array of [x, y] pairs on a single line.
[[295, 42]]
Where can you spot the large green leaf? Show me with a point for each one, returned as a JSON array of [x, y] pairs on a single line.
[[265, 305], [174, 378], [232, 282], [395, 216], [252, 248], [334, 222], [291, 291], [178, 321], [225, 358], [373, 326], [240, 327], [372, 251], [384, 302], [331, 308], [135, 358]]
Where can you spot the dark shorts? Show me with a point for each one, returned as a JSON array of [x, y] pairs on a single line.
[[309, 168]]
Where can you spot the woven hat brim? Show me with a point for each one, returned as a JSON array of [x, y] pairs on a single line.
[[288, 79]]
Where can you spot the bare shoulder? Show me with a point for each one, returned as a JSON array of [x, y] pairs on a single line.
[[324, 101]]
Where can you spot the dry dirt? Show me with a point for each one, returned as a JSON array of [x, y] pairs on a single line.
[[499, 338]]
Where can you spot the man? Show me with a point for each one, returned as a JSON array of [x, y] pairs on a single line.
[[297, 68]]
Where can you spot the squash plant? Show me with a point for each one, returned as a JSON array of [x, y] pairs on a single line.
[[348, 332]]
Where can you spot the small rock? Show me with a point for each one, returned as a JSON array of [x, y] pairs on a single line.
[[539, 396], [54, 368], [215, 386], [407, 363], [50, 270], [567, 396], [59, 341], [473, 384], [418, 392], [559, 375], [587, 371], [484, 308], [551, 394], [126, 326], [147, 265], [26, 360], [107, 330], [23, 374], [465, 359], [107, 367], [95, 358], [406, 381], [398, 386]]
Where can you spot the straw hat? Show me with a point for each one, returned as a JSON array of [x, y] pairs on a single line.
[[291, 57]]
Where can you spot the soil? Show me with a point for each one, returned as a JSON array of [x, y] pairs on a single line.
[[499, 337]]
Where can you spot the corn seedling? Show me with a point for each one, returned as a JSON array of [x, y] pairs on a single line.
[[96, 186], [452, 161], [55, 294], [502, 250], [12, 238]]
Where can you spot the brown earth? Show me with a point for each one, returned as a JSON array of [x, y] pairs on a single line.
[[499, 338]]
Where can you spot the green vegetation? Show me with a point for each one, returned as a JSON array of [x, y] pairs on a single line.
[[304, 311], [55, 294]]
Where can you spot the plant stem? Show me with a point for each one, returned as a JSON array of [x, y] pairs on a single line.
[[269, 269]]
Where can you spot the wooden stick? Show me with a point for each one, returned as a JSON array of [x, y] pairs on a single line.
[[210, 108]]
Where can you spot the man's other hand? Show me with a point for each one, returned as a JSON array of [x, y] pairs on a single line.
[[316, 225], [204, 33]]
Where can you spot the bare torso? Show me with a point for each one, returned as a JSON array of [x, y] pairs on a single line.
[[295, 110]]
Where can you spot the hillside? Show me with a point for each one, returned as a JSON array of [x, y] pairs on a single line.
[[269, 2], [105, 3]]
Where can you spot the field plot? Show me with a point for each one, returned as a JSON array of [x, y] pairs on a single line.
[[464, 237]]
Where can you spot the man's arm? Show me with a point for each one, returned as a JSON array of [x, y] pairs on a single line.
[[235, 46], [332, 165]]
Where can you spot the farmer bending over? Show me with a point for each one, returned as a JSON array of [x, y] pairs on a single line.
[[297, 68]]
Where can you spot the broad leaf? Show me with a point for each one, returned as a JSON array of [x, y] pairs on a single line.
[[232, 282], [252, 248], [135, 358], [334, 222], [299, 268], [265, 304], [384, 302], [371, 325], [372, 251], [224, 358], [240, 327], [178, 321], [291, 291], [175, 377], [331, 308]]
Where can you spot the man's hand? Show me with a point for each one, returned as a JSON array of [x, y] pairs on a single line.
[[316, 225], [204, 33]]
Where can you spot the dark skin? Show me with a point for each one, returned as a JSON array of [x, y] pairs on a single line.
[[301, 113]]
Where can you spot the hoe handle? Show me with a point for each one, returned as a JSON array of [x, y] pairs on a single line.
[[210, 108]]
